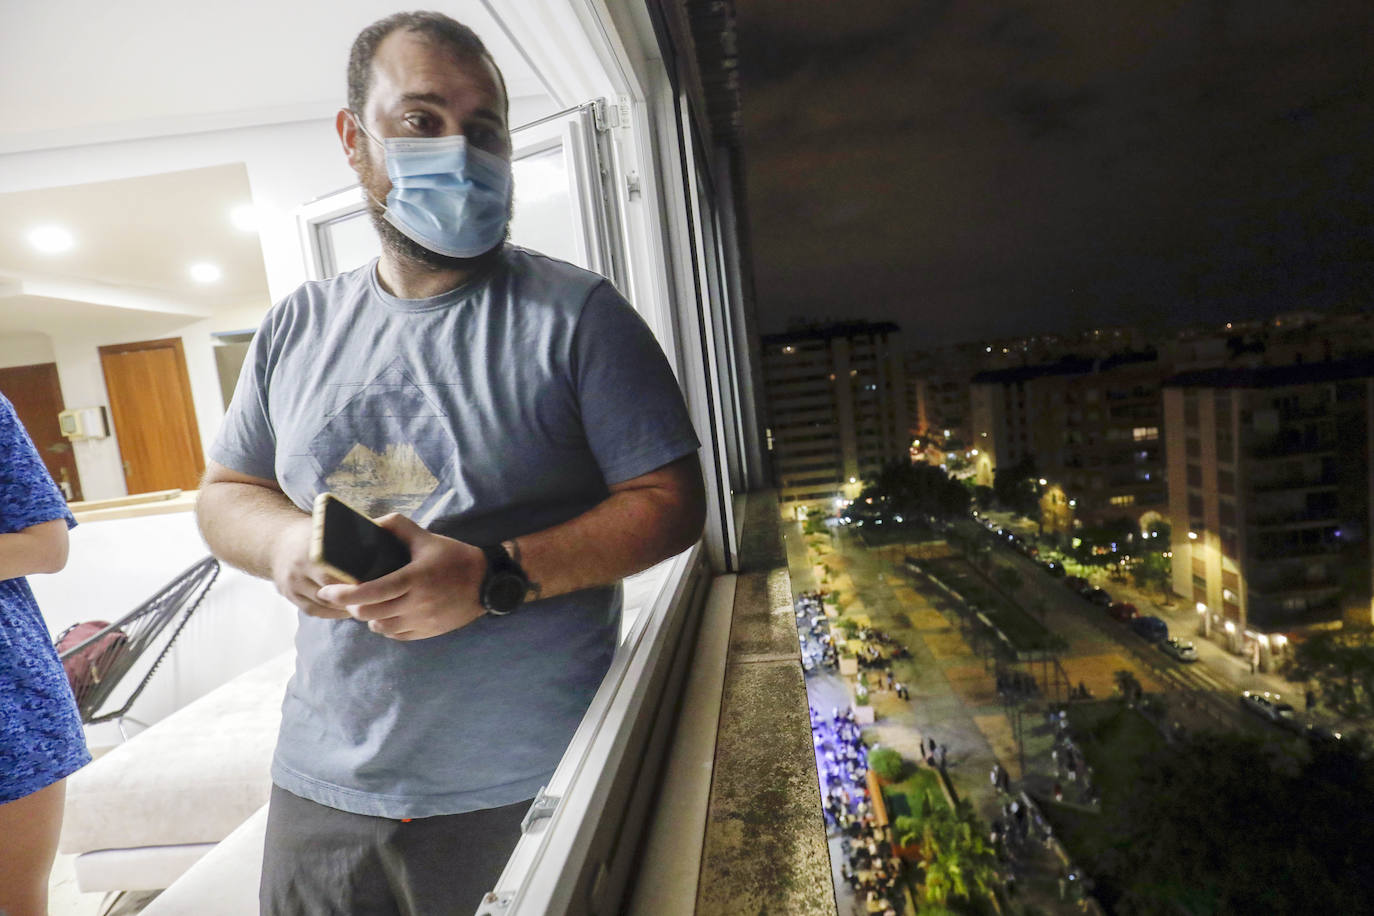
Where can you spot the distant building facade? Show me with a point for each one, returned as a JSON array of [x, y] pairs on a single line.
[[837, 407], [1270, 477], [1091, 428], [938, 392]]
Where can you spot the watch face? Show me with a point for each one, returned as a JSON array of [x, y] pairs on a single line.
[[505, 591]]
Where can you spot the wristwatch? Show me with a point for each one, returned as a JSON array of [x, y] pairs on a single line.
[[505, 585]]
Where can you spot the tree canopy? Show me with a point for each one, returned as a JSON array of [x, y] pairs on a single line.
[[1094, 542], [903, 488], [1014, 487], [957, 861], [1221, 823], [1342, 664]]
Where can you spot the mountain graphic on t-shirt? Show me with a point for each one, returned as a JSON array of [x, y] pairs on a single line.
[[385, 445], [394, 480]]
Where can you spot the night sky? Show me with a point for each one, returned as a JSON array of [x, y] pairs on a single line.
[[988, 169]]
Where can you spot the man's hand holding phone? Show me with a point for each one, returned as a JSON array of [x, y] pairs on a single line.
[[297, 577], [435, 593]]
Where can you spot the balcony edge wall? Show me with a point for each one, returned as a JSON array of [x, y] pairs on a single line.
[[765, 848]]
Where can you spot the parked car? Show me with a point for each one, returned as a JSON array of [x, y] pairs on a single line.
[[1074, 583], [1053, 567], [1086, 589], [1269, 706], [1100, 597], [1151, 629], [1123, 611], [1180, 649]]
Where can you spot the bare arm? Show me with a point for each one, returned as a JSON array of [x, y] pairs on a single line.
[[643, 521], [40, 548], [249, 523]]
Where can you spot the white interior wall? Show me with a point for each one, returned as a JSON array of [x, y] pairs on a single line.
[[25, 350], [83, 385]]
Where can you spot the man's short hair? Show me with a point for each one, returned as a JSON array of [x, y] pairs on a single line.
[[460, 40]]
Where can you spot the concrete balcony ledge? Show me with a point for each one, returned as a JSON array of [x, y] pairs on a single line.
[[755, 842]]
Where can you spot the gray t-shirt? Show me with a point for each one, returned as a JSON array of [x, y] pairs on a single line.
[[498, 409]]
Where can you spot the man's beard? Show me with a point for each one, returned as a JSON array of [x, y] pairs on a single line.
[[406, 248]]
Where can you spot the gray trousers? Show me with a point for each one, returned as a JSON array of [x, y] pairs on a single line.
[[319, 861]]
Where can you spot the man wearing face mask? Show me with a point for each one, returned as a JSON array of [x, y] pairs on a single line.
[[513, 421]]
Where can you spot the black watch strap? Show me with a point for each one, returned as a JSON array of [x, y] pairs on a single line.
[[505, 584]]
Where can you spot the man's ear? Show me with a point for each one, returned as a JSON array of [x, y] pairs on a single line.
[[349, 135]]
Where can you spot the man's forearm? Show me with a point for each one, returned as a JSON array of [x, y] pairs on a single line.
[[242, 522], [625, 534]]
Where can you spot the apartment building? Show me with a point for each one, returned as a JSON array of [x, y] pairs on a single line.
[[837, 410], [938, 392], [1090, 427], [1269, 481]]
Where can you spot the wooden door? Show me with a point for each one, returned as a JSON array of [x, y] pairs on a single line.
[[150, 405], [37, 398]]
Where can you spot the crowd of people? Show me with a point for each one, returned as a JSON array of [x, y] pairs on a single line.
[[813, 631], [1070, 765], [877, 654], [869, 866]]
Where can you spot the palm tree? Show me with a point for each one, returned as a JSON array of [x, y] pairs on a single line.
[[957, 861]]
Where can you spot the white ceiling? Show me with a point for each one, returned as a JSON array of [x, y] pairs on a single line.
[[78, 72], [93, 70], [55, 317], [141, 234]]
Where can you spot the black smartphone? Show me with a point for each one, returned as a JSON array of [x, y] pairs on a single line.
[[351, 546]]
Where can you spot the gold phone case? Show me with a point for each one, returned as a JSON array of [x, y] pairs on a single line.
[[317, 538]]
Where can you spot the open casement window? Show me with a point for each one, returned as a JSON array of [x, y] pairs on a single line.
[[563, 205]]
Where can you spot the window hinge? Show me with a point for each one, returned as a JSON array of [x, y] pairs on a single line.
[[543, 806], [604, 115], [496, 904]]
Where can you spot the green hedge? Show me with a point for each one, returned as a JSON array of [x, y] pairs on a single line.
[[887, 763]]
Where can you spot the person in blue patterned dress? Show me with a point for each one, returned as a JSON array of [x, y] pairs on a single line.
[[41, 741]]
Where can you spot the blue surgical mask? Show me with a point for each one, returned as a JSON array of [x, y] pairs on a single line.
[[446, 194]]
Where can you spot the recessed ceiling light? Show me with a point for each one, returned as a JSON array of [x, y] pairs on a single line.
[[51, 239], [205, 272], [244, 217]]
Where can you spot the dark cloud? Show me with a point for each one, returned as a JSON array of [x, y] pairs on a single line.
[[974, 169]]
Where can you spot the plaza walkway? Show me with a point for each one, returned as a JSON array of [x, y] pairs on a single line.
[[953, 694]]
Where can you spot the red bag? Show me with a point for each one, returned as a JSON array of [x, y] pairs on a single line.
[[86, 668]]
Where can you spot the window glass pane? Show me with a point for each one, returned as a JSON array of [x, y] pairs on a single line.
[[544, 217], [352, 240]]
